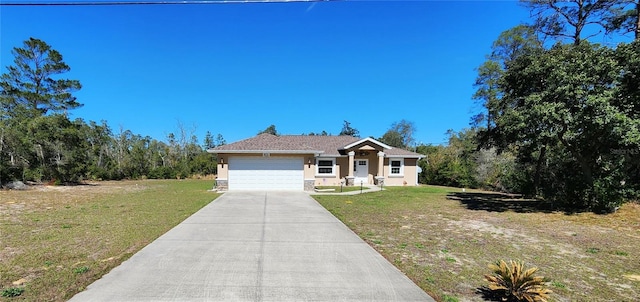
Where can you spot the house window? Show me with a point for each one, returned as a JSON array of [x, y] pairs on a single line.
[[326, 166], [396, 167]]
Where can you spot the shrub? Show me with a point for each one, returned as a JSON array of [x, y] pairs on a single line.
[[511, 282], [12, 292]]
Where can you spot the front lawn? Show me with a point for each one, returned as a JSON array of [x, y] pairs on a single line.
[[57, 240], [445, 245]]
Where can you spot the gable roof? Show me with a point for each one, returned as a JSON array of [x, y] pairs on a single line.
[[320, 145], [368, 139]]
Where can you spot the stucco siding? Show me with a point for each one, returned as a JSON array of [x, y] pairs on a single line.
[[309, 167], [343, 166], [408, 177], [223, 169], [333, 180]]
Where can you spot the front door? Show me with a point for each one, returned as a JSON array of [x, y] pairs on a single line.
[[361, 171]]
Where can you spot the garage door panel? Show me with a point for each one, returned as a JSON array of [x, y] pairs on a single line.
[[266, 173]]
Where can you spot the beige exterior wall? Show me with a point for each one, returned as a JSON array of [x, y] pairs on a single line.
[[366, 146], [407, 179], [309, 166], [342, 164], [339, 174], [223, 167], [342, 170]]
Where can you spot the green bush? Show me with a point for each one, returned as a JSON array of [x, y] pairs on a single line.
[[12, 292], [162, 173]]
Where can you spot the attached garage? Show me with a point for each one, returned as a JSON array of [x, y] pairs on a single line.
[[266, 173]]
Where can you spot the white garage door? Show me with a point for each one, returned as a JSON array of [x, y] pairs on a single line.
[[266, 173]]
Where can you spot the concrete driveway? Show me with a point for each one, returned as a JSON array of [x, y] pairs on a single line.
[[249, 246]]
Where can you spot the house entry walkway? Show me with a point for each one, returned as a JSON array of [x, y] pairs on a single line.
[[250, 246]]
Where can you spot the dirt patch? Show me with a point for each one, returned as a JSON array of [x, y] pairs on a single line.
[[633, 277]]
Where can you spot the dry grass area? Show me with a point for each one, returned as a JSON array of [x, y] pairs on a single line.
[[56, 240], [14, 203], [445, 245]]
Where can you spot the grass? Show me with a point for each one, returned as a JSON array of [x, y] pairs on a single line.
[[447, 298], [558, 284], [445, 245], [81, 270], [60, 239], [593, 250]]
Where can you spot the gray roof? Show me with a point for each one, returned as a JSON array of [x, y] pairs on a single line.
[[325, 145]]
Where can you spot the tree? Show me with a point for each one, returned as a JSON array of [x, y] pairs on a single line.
[[60, 148], [323, 133], [220, 141], [15, 149], [627, 99], [208, 141], [400, 134], [348, 130], [406, 130], [566, 97], [509, 45], [624, 18], [568, 19], [99, 139], [453, 164], [512, 43], [270, 130], [34, 143], [393, 138], [29, 84]]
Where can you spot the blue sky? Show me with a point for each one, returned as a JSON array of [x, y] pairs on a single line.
[[235, 69]]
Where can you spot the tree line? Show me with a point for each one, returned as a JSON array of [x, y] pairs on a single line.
[[38, 141]]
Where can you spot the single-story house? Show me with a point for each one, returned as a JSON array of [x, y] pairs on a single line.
[[300, 162]]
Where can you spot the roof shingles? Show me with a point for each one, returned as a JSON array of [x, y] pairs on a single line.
[[327, 145]]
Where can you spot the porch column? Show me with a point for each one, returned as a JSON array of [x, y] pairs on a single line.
[[380, 163], [350, 177], [380, 177]]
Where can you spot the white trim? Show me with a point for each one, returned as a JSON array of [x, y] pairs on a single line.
[[401, 160], [368, 139], [333, 166]]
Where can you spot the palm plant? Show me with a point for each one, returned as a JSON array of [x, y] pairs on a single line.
[[511, 282]]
